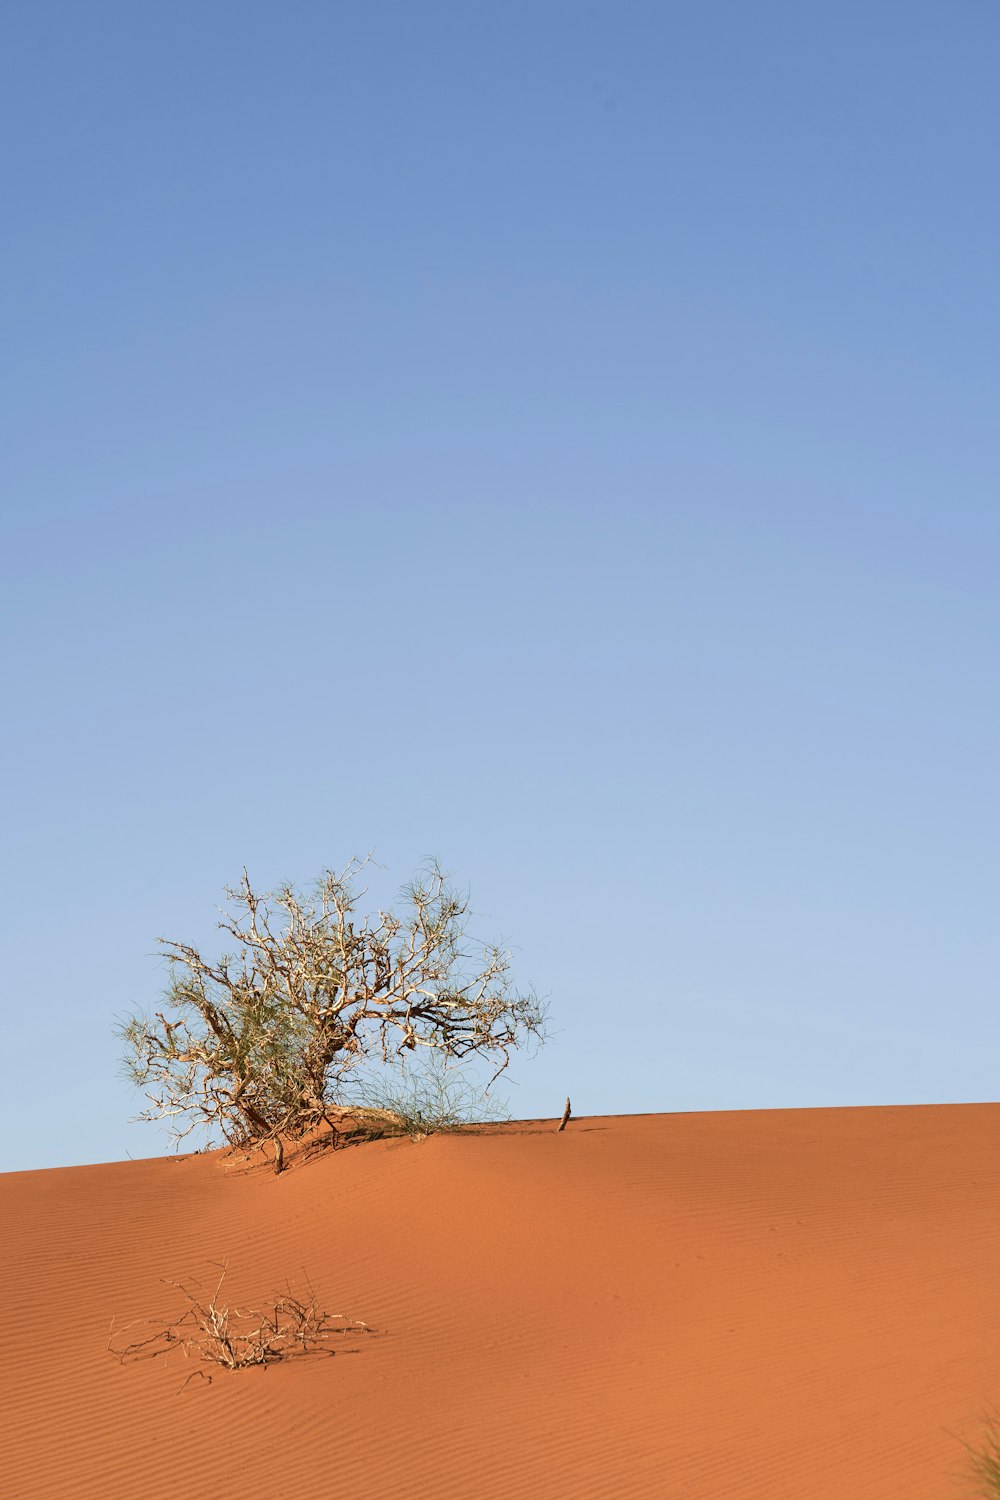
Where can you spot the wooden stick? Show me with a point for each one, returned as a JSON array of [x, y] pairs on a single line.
[[565, 1116]]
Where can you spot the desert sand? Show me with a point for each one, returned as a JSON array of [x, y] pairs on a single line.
[[770, 1305]]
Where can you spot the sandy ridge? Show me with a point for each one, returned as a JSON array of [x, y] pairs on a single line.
[[760, 1304]]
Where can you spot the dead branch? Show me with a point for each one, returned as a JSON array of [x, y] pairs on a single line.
[[234, 1337], [565, 1116]]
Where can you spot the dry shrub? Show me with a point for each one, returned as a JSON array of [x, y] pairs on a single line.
[[256, 1045], [236, 1338]]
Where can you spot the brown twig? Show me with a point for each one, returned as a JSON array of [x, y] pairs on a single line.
[[565, 1116], [237, 1338]]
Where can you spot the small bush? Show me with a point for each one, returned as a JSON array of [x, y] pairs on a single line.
[[233, 1337], [419, 1099]]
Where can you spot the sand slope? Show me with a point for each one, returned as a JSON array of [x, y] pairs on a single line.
[[785, 1304]]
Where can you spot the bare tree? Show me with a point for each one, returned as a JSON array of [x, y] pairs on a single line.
[[258, 1045]]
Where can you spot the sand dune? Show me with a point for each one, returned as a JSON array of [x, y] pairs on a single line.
[[770, 1305]]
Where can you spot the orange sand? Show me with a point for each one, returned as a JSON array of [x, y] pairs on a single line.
[[768, 1305]]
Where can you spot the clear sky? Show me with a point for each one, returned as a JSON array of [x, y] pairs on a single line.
[[561, 438]]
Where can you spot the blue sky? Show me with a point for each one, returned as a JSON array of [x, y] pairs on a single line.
[[558, 438]]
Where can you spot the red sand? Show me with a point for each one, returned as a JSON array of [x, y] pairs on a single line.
[[769, 1305]]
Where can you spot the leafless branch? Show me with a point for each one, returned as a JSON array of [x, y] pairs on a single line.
[[235, 1337]]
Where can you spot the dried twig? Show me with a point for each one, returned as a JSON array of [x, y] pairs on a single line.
[[234, 1337], [565, 1117]]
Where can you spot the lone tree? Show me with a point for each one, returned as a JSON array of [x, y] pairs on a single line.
[[258, 1045]]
